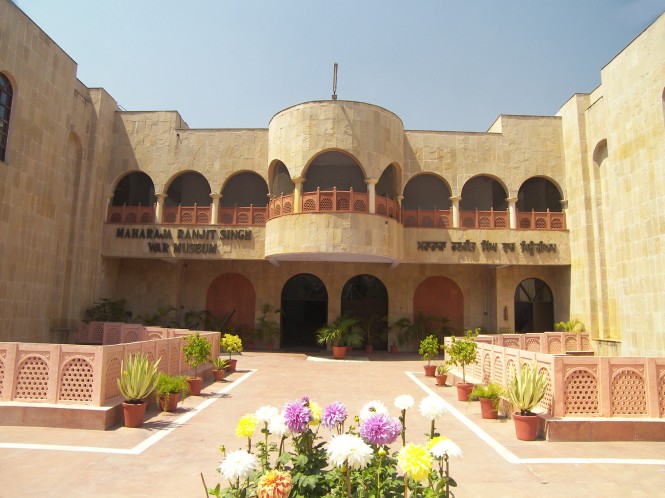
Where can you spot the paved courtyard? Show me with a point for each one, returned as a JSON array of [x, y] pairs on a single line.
[[168, 455]]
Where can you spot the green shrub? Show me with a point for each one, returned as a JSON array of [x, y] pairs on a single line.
[[138, 377]]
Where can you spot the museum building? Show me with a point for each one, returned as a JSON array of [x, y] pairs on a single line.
[[333, 208]]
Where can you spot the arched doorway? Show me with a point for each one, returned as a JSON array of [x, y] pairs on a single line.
[[440, 297], [534, 306], [231, 298], [304, 311], [365, 297]]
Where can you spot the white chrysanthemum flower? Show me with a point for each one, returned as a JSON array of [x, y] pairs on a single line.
[[347, 449], [404, 402], [432, 407], [372, 408], [445, 446], [237, 465], [277, 426], [265, 414]]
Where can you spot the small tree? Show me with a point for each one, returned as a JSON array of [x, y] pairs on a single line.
[[463, 351], [197, 351], [231, 344], [429, 348]]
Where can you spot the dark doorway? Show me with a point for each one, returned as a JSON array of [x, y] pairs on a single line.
[[304, 311], [534, 306], [365, 297]]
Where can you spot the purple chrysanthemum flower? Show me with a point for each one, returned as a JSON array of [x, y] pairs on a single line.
[[380, 429], [334, 414], [297, 416]]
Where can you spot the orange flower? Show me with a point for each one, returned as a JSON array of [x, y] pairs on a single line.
[[275, 484]]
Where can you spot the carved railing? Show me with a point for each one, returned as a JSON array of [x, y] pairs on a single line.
[[243, 215], [187, 215], [579, 386], [131, 214], [85, 374], [333, 201], [535, 220], [427, 218], [485, 219]]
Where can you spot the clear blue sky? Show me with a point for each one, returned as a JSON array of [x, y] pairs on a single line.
[[438, 64]]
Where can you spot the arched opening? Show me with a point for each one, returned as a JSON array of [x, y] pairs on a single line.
[[231, 301], [134, 189], [534, 306], [6, 97], [426, 191], [483, 193], [387, 184], [334, 169], [366, 298], [189, 189], [440, 297], [281, 181], [304, 310], [244, 190], [540, 195]]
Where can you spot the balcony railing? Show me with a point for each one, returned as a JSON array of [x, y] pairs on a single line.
[[131, 214], [541, 221], [333, 201], [337, 201], [187, 215]]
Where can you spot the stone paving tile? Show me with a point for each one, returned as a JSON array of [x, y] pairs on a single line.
[[171, 467]]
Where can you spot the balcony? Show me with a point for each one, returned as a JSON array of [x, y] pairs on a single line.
[[337, 201]]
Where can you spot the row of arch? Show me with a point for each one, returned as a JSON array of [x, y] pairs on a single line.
[[334, 169], [304, 304]]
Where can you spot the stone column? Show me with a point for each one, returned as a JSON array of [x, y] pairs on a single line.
[[371, 190], [399, 200], [512, 212], [159, 212], [109, 204], [564, 210], [297, 193], [214, 211], [455, 210]]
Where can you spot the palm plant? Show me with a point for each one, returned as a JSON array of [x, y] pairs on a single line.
[[344, 331]]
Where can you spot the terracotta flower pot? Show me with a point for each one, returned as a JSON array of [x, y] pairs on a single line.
[[441, 379], [487, 409], [195, 385], [233, 363], [219, 374], [134, 414], [369, 348], [170, 404], [463, 391], [526, 427], [429, 370], [339, 352]]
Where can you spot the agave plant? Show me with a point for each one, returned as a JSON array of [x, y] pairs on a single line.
[[138, 378], [527, 388]]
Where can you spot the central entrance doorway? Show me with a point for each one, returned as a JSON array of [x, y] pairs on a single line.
[[534, 306], [304, 311], [365, 297]]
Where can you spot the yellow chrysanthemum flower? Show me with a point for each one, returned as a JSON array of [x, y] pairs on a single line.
[[415, 460], [274, 484], [246, 426], [317, 411]]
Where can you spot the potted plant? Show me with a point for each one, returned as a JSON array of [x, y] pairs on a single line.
[[573, 325], [441, 373], [230, 344], [373, 331], [489, 397], [170, 389], [197, 352], [462, 352], [429, 348], [525, 391], [267, 327], [138, 377], [219, 366], [344, 331]]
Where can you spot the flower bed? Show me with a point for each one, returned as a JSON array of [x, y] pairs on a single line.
[[293, 455]]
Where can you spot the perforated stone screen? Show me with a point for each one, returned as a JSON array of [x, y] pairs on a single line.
[[533, 344], [581, 396], [629, 395], [76, 381], [32, 379], [111, 382]]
